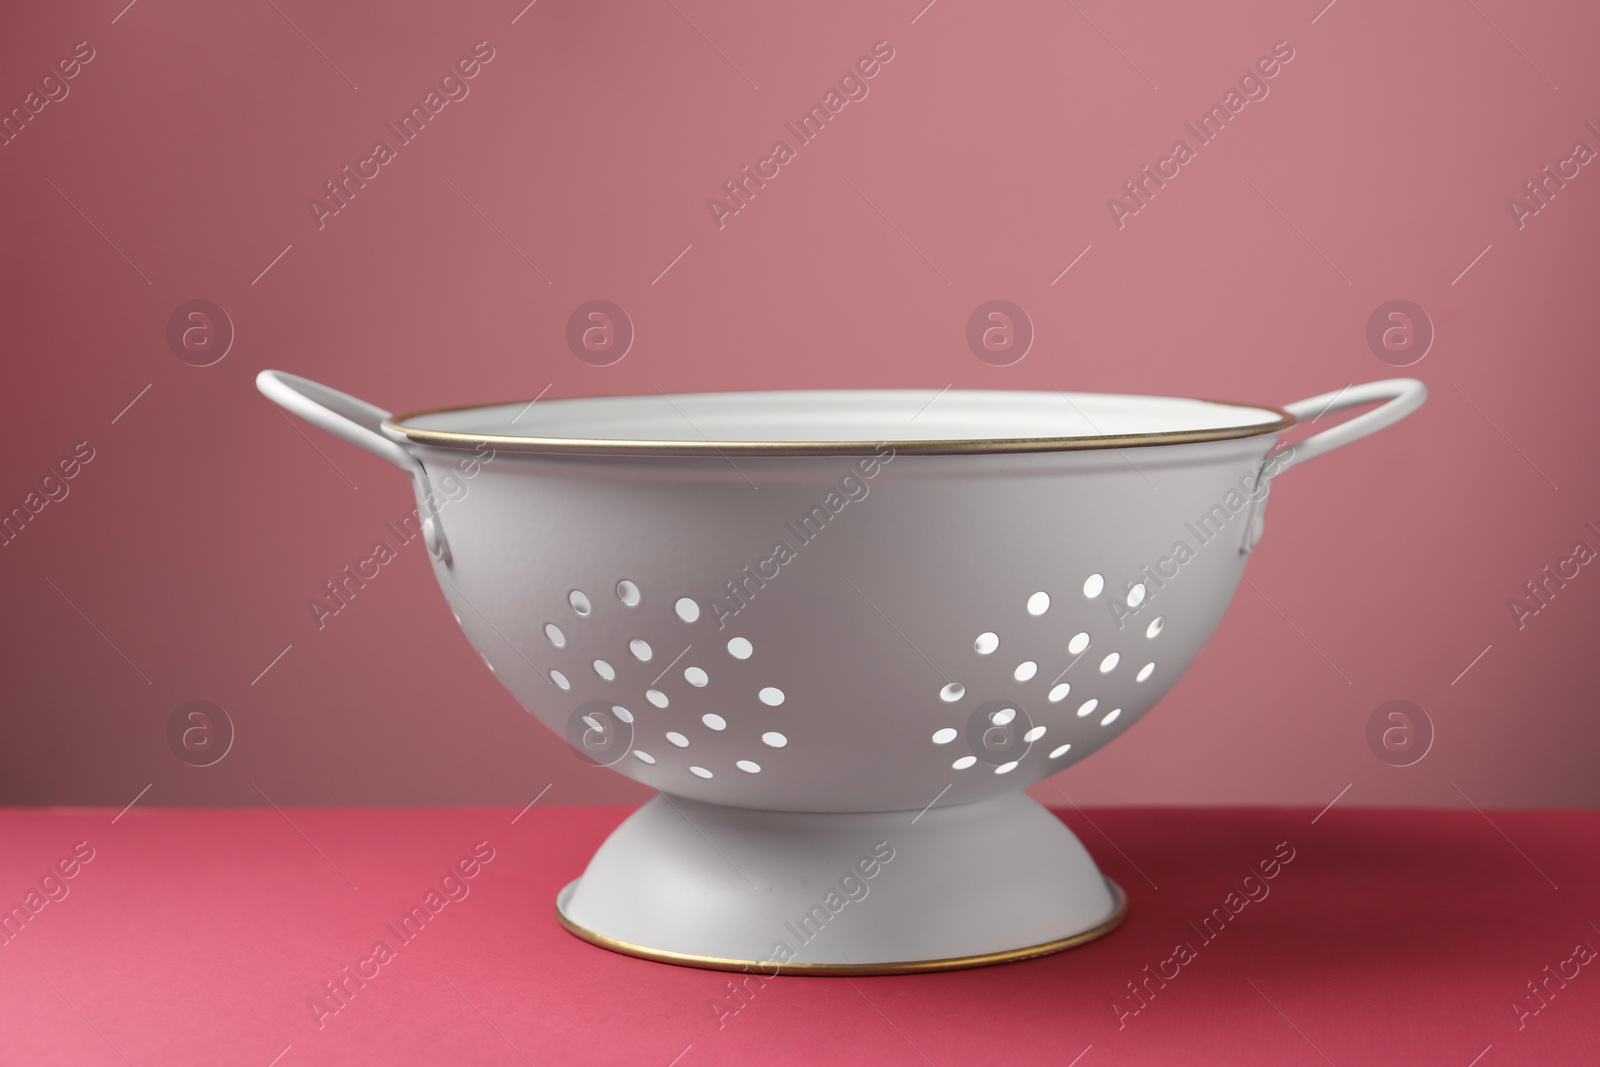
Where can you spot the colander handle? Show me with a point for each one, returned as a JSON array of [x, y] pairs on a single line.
[[359, 423], [1404, 395]]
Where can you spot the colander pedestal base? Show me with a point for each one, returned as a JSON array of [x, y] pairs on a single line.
[[841, 893]]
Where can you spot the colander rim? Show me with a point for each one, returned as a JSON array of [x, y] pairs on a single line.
[[395, 427]]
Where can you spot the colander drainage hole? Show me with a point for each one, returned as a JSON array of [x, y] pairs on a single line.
[[628, 593], [1154, 629], [773, 739], [687, 610], [740, 648], [1144, 672], [695, 676], [1109, 664], [1003, 717], [622, 713], [1059, 693], [553, 632], [656, 697], [952, 692], [986, 643], [1025, 671], [714, 721], [560, 679], [641, 649], [643, 757], [678, 739], [1136, 595], [699, 772], [1111, 717], [1057, 753], [1033, 734], [579, 602], [748, 766], [1079, 642], [1093, 585], [605, 670], [1087, 707], [964, 762], [944, 737], [771, 696], [1039, 603], [1006, 768]]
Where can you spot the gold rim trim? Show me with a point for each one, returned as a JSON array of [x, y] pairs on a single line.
[[769, 968], [570, 446]]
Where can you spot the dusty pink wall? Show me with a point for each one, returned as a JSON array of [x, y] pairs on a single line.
[[179, 165]]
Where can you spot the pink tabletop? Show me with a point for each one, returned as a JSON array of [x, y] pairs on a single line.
[[210, 936]]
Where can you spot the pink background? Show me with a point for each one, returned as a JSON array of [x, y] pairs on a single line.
[[979, 166]]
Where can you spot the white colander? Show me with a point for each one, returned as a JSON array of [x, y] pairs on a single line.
[[840, 632]]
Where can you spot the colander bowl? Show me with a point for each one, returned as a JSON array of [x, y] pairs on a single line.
[[841, 632]]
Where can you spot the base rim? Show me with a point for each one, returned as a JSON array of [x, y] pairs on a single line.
[[715, 963]]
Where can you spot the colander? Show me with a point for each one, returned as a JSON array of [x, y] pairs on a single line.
[[840, 632]]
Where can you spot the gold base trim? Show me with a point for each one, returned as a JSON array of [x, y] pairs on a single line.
[[768, 967]]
